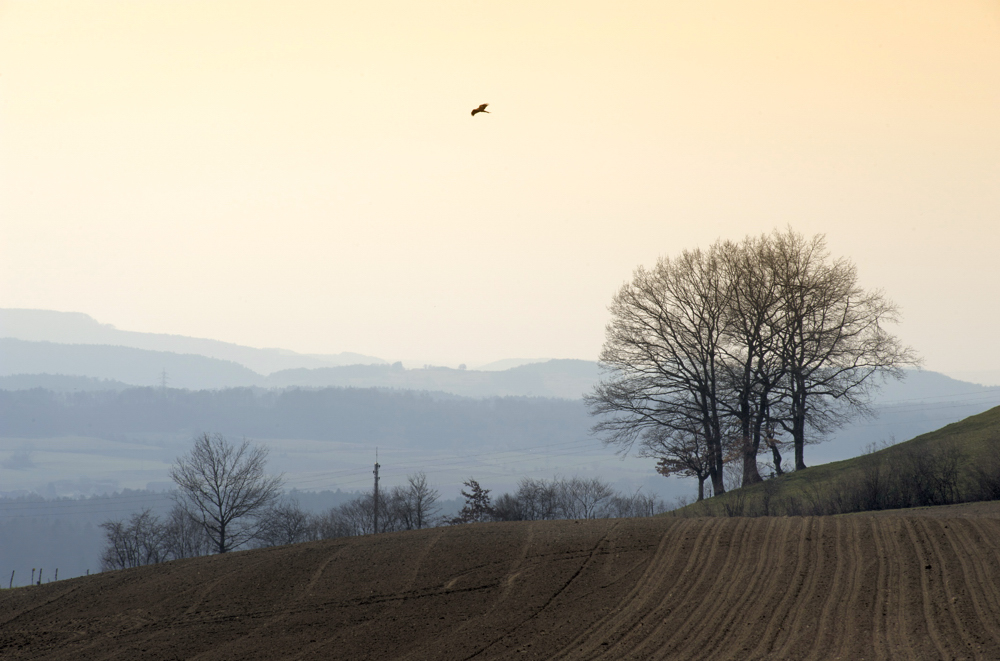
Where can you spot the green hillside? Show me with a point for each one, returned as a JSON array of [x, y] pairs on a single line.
[[957, 463]]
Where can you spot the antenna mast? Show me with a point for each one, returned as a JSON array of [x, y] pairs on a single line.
[[376, 491]]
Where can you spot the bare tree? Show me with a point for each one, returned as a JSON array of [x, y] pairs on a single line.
[[140, 541], [749, 337], [534, 500], [418, 503], [834, 346], [407, 507], [634, 505], [679, 453], [350, 519], [184, 536], [223, 486], [540, 499], [662, 356], [752, 369], [394, 510], [285, 523], [584, 499]]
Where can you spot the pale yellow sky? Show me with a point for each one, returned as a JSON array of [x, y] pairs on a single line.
[[307, 175]]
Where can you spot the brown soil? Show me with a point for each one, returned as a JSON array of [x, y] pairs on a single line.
[[855, 587]]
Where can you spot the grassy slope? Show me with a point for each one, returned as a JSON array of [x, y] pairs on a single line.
[[971, 436]]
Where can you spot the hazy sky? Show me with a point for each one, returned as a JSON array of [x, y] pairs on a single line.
[[307, 174]]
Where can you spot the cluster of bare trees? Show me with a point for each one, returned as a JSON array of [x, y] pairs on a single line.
[[221, 504], [145, 539], [567, 498], [226, 501], [409, 507], [727, 353]]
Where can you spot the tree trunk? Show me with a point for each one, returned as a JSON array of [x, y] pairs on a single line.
[[701, 487], [751, 443], [715, 464], [718, 487], [750, 473], [799, 438], [776, 457], [799, 420]]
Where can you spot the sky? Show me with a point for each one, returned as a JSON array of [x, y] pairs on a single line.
[[307, 175]]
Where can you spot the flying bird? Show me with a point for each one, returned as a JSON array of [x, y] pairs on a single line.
[[481, 108]]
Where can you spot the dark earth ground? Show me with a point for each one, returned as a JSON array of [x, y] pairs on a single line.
[[920, 584]]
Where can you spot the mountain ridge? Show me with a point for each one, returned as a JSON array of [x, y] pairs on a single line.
[[560, 378], [82, 329]]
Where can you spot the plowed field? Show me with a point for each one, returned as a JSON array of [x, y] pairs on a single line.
[[858, 587]]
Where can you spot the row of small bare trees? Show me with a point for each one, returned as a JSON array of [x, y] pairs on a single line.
[[567, 498], [145, 538], [409, 507], [226, 501], [721, 354], [222, 494]]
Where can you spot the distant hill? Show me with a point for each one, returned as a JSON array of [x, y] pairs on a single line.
[[79, 328], [507, 363], [567, 379], [59, 383], [921, 400], [137, 367]]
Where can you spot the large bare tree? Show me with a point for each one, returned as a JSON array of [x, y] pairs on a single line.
[[834, 345], [662, 356], [735, 342], [140, 541], [222, 486], [752, 368]]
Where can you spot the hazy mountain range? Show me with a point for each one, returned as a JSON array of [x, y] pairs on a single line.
[[79, 328], [37, 345]]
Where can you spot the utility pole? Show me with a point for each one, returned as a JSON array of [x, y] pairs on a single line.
[[163, 380], [376, 490]]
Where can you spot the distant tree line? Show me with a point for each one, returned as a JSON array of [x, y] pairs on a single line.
[[723, 354], [335, 414]]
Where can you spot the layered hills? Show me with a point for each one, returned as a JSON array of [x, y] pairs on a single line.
[[81, 329], [28, 364]]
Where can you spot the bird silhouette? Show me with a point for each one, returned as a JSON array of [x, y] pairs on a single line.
[[481, 108]]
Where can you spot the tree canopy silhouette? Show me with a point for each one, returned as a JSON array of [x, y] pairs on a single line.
[[715, 349]]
